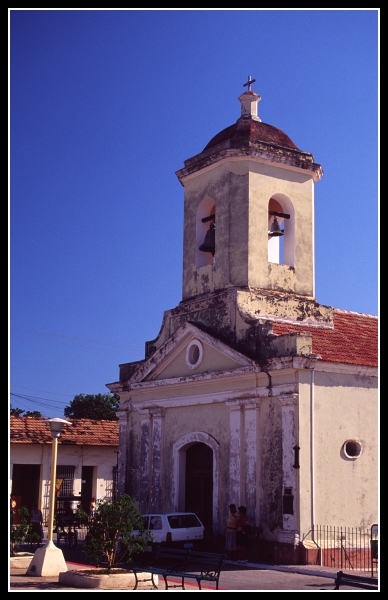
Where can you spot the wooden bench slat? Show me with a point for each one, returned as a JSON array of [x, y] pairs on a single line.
[[178, 563]]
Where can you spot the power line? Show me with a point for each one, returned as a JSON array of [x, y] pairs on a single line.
[[44, 391], [36, 399], [31, 403], [78, 339]]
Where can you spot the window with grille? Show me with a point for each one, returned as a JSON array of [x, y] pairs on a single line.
[[115, 483], [67, 475], [111, 490]]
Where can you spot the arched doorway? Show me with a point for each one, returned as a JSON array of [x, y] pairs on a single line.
[[208, 499], [199, 483]]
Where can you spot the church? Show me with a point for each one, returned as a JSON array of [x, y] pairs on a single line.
[[253, 393]]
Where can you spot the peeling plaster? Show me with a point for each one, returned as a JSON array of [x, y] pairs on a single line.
[[272, 470]]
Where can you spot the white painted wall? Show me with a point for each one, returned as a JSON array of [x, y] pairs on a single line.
[[102, 458]]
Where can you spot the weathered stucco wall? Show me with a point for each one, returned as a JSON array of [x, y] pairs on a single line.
[[346, 490], [243, 318], [255, 304], [250, 472], [270, 457], [267, 181], [221, 186], [314, 410], [256, 413], [212, 361], [213, 419], [241, 189]]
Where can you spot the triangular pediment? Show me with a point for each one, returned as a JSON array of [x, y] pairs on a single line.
[[189, 352]]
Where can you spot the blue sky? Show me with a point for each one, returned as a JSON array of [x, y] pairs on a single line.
[[104, 107]]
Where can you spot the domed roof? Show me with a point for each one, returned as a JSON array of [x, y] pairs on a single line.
[[249, 136], [246, 130]]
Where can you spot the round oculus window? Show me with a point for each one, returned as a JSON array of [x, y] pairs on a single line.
[[352, 449], [194, 354]]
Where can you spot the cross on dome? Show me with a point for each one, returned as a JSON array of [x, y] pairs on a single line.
[[249, 101], [249, 83]]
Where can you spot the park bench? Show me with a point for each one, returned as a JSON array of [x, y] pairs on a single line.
[[181, 565], [209, 564], [355, 580]]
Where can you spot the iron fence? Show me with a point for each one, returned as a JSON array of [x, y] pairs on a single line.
[[349, 548]]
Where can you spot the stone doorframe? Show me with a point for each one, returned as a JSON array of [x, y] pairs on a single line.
[[179, 473]]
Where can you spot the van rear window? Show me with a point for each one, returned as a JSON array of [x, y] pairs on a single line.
[[183, 521]]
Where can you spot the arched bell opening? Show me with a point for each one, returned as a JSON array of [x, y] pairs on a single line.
[[205, 233], [281, 244]]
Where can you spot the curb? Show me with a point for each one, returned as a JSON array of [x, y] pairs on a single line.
[[330, 574]]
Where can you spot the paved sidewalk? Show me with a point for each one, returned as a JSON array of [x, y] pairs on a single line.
[[247, 577]]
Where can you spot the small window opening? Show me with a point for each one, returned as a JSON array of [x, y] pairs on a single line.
[[288, 502], [65, 480], [352, 449], [194, 354], [65, 488]]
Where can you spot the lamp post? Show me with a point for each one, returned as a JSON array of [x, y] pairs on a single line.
[[49, 560], [56, 426]]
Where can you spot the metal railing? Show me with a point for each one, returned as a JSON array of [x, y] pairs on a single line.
[[350, 548]]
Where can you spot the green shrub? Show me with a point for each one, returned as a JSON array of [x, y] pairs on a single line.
[[111, 532], [20, 533]]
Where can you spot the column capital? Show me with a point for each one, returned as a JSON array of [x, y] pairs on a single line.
[[157, 412], [241, 403], [288, 400], [154, 412]]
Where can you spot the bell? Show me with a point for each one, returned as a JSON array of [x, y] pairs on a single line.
[[209, 243], [275, 229]]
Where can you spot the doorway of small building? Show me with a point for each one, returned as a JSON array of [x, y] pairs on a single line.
[[25, 486], [199, 484], [86, 488]]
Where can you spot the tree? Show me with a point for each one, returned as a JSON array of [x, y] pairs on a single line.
[[93, 406], [18, 412], [116, 532]]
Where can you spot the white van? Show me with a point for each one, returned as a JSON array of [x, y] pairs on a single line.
[[181, 530]]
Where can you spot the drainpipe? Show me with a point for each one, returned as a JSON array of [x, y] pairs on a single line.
[[312, 428]]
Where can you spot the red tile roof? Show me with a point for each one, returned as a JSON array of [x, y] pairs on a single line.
[[354, 339], [81, 432]]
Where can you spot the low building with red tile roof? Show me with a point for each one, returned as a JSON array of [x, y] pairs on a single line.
[[86, 461]]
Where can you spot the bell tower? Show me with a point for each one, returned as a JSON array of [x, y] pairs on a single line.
[[249, 210]]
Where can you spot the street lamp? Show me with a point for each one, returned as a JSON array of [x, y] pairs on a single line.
[[49, 560]]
